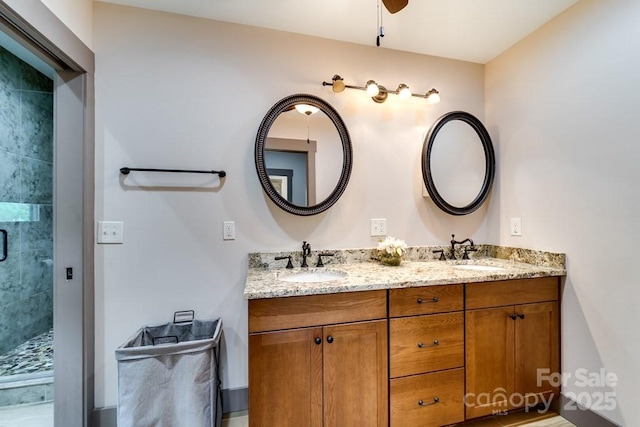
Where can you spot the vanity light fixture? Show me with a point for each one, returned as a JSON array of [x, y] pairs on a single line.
[[403, 91], [433, 96], [372, 88], [306, 109], [379, 93]]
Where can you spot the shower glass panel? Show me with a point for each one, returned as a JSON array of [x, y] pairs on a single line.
[[26, 242]]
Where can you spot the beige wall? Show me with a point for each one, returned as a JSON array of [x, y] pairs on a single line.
[[563, 105], [77, 15], [174, 91]]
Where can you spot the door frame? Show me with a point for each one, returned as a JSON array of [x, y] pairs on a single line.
[[35, 27]]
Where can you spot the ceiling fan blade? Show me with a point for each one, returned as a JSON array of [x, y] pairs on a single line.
[[394, 6]]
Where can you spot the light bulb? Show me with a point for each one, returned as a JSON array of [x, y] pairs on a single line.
[[403, 91], [433, 96], [372, 88], [338, 84], [306, 109]]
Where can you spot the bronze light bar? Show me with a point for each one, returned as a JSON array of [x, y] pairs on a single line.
[[380, 93]]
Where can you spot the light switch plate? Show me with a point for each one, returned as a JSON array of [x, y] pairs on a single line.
[[110, 232]]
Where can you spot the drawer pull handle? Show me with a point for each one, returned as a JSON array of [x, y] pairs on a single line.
[[435, 342], [435, 400], [434, 299], [521, 315], [512, 316], [329, 339], [318, 340]]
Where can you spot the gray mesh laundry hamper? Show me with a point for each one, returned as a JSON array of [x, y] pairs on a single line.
[[168, 375]]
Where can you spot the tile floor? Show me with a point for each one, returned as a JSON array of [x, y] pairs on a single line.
[[522, 419], [41, 415], [36, 415], [236, 420], [519, 419]]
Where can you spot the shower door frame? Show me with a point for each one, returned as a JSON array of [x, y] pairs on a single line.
[[34, 26]]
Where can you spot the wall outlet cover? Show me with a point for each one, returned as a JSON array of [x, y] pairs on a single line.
[[228, 230], [378, 227], [516, 227]]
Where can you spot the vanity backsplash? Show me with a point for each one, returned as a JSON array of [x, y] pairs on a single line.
[[266, 260]]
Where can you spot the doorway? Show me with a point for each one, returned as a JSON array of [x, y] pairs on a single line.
[[46, 212], [26, 233]]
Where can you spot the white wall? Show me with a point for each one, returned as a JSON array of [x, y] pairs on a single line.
[[77, 15], [174, 91], [563, 105]]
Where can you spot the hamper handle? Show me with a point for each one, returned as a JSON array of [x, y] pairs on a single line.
[[186, 315], [165, 339]]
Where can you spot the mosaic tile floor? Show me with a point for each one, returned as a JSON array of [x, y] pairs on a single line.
[[35, 355]]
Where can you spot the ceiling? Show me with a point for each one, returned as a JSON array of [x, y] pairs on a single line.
[[469, 30]]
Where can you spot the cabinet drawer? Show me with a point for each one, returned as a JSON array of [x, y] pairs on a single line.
[[316, 310], [511, 292], [428, 400], [426, 343], [425, 300]]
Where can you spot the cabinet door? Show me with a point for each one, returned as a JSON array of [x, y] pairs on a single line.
[[536, 347], [356, 375], [285, 378], [489, 360]]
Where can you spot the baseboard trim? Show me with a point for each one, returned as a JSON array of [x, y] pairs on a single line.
[[233, 400], [579, 415], [105, 417]]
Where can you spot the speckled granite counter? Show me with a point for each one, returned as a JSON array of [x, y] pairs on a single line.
[[421, 268]]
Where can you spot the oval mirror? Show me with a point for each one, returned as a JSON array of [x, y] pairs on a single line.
[[458, 163], [303, 154]]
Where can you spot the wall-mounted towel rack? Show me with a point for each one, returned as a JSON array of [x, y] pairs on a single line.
[[125, 171]]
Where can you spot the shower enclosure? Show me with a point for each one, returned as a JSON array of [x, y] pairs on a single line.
[[26, 239]]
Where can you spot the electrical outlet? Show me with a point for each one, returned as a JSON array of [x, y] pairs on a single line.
[[110, 232], [516, 227], [228, 230], [378, 226]]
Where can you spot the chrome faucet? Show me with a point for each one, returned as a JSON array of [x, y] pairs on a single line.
[[306, 251], [454, 242]]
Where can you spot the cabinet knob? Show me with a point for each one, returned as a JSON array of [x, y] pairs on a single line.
[[435, 342], [435, 400], [329, 339], [434, 299], [512, 316], [521, 315], [318, 340]]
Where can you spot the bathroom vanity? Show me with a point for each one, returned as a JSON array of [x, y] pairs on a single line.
[[427, 343]]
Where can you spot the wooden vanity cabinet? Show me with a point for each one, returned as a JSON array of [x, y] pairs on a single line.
[[426, 356], [512, 331], [420, 356], [319, 361]]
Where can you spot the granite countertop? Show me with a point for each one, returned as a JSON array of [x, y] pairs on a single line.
[[420, 269]]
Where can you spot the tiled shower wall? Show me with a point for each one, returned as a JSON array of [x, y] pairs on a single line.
[[26, 181]]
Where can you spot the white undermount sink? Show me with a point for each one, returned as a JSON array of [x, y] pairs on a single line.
[[478, 267], [316, 276]]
